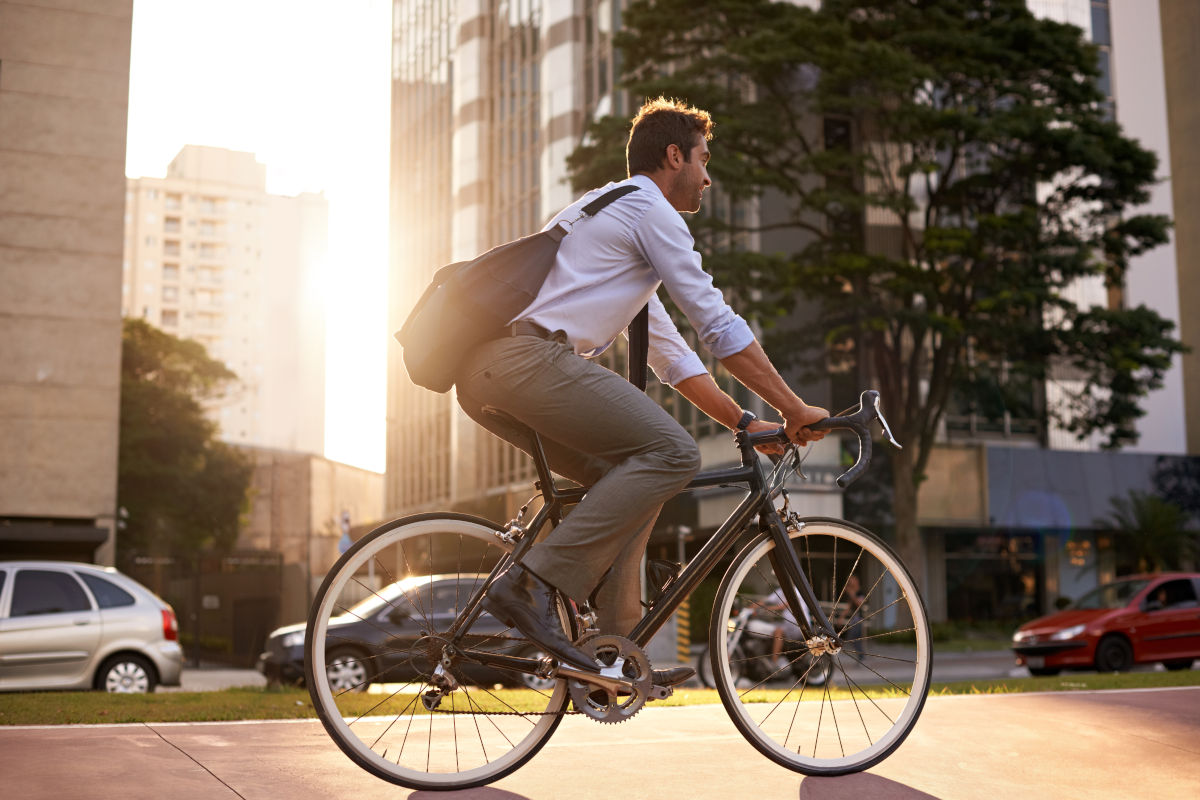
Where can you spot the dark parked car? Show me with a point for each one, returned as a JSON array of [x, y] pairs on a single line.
[[374, 642], [1136, 620], [79, 626]]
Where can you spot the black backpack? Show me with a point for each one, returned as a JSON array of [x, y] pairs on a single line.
[[470, 302]]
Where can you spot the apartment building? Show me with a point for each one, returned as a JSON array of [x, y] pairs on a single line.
[[210, 255], [64, 89]]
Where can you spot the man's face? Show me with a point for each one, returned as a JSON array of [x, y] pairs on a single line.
[[692, 179]]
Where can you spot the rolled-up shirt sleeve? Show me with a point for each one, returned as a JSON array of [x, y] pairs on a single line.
[[670, 357], [664, 241]]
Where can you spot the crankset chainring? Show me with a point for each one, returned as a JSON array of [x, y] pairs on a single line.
[[625, 661]]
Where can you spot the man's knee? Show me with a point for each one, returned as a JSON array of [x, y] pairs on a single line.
[[681, 456]]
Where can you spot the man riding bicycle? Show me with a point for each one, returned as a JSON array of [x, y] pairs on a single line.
[[597, 428]]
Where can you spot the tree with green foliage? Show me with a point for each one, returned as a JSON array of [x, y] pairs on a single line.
[[947, 173], [182, 492], [1150, 534]]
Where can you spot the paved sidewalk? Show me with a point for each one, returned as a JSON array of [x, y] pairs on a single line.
[[209, 679], [977, 665], [1071, 745]]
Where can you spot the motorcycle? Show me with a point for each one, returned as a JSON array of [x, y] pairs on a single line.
[[751, 644]]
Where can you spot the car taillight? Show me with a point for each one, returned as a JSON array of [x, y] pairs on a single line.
[[170, 625]]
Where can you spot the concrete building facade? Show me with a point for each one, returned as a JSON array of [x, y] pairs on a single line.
[[64, 87], [210, 255], [301, 507], [1180, 22]]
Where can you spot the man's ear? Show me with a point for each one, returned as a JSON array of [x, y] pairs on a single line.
[[674, 156]]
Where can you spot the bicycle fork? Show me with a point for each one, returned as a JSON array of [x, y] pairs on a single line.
[[820, 635]]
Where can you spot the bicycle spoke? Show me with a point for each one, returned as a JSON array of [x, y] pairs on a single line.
[[836, 729], [443, 563], [885, 679]]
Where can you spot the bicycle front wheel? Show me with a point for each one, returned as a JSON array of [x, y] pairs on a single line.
[[391, 687], [879, 679]]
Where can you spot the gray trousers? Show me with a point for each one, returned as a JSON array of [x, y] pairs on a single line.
[[600, 431]]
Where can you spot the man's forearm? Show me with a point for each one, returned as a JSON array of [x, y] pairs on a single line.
[[752, 367], [702, 392], [755, 371]]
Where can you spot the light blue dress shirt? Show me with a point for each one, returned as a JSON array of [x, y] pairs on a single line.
[[612, 264]]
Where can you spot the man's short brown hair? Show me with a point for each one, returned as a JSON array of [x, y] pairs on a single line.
[[662, 122]]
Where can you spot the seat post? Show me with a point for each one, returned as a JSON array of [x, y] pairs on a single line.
[[549, 491]]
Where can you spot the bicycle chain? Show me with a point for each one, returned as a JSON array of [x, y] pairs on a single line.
[[510, 713], [563, 713]]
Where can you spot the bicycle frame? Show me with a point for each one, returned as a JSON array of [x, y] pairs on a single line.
[[757, 502]]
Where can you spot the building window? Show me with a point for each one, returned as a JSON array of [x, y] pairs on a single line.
[[1100, 28], [1104, 82], [170, 272], [170, 294], [170, 319]]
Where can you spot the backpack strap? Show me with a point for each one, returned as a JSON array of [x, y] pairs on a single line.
[[639, 347], [593, 208]]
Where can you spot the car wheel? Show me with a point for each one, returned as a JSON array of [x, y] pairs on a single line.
[[347, 671], [1178, 664], [1113, 654], [1043, 672], [127, 674]]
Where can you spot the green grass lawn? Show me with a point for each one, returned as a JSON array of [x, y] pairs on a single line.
[[64, 708]]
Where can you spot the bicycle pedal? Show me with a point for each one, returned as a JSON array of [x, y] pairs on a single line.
[[660, 692]]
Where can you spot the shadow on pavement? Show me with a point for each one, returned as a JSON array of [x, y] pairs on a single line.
[[856, 787], [479, 793]]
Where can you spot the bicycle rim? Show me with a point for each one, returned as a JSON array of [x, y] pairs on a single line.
[[387, 600], [880, 678]]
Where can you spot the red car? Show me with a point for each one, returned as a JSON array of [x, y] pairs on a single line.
[[1136, 620]]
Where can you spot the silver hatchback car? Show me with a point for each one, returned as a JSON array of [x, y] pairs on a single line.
[[79, 626]]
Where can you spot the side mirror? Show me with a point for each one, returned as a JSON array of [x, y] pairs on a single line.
[[398, 615], [1062, 602]]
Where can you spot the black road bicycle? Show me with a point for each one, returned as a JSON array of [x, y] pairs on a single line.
[[428, 724]]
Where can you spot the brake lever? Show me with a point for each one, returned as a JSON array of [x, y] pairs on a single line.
[[887, 431]]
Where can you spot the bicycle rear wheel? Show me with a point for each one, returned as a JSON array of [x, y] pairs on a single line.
[[880, 678], [376, 637]]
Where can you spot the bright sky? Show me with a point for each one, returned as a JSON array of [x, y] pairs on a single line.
[[304, 85]]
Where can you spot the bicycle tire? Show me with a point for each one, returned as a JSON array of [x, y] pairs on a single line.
[[421, 564], [771, 719]]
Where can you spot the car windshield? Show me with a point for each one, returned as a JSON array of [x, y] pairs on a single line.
[[375, 600], [421, 596], [1110, 595]]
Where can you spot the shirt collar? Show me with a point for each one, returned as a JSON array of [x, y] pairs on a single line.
[[645, 182]]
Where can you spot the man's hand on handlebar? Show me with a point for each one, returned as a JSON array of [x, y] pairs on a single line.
[[797, 420], [762, 426]]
